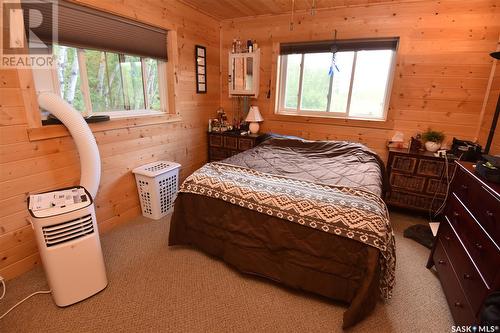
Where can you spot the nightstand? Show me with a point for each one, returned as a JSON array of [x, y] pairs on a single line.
[[222, 145], [417, 180]]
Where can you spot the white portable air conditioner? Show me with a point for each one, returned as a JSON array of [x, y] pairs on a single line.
[[68, 240]]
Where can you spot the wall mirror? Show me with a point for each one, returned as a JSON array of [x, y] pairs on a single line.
[[243, 74]]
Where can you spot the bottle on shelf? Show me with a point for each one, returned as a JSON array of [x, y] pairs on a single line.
[[249, 46]]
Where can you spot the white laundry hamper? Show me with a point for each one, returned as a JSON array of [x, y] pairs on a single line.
[[157, 184]]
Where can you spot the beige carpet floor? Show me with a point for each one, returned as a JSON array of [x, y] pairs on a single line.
[[154, 288]]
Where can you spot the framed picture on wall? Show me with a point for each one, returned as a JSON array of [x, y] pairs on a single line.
[[200, 53]]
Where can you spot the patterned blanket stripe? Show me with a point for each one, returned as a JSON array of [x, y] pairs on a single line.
[[343, 211]]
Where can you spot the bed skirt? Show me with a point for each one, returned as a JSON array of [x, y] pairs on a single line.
[[299, 257]]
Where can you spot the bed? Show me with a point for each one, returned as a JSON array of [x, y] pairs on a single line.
[[306, 214]]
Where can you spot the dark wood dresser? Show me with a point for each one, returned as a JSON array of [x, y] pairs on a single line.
[[466, 252], [417, 180], [225, 144]]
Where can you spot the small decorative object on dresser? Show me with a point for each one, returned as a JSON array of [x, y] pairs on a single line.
[[225, 144], [433, 140], [415, 144], [417, 180], [466, 253], [254, 117]]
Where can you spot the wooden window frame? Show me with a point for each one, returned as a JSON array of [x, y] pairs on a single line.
[[280, 108], [85, 88], [170, 94]]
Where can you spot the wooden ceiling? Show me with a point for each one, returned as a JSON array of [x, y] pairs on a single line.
[[230, 9]]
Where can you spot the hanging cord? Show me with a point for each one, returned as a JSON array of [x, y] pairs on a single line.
[[21, 301], [4, 288], [333, 65], [445, 172], [449, 180]]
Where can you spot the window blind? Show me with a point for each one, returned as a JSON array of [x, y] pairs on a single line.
[[339, 45], [83, 27]]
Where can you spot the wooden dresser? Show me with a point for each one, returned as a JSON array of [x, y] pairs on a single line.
[[225, 144], [466, 252], [416, 180]]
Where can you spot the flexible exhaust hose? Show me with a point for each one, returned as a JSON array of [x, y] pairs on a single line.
[[90, 161]]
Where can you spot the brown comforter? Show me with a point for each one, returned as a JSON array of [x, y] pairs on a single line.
[[295, 255]]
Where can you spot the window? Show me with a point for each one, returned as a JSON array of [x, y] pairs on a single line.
[[354, 82], [117, 67], [99, 81]]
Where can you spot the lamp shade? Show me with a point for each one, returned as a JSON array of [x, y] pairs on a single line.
[[254, 115]]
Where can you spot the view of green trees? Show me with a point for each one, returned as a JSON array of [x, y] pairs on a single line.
[[316, 81], [292, 80], [68, 74], [115, 82], [103, 74], [341, 81]]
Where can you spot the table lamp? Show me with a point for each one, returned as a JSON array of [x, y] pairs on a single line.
[[254, 117]]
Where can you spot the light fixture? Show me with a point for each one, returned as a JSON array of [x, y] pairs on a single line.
[[254, 117]]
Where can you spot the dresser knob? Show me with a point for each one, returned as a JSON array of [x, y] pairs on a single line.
[[448, 238], [478, 246], [489, 214], [467, 276], [456, 215], [458, 304], [441, 262], [464, 187]]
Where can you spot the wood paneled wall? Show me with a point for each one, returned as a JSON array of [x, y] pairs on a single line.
[[42, 165], [441, 77], [443, 63]]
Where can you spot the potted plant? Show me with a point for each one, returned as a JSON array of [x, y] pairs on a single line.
[[433, 140]]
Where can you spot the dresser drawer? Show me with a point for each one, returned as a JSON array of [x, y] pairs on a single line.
[[480, 247], [463, 186], [486, 209], [215, 141], [403, 163], [407, 182], [472, 284], [431, 168], [415, 201], [459, 306], [436, 187], [245, 144], [230, 142], [217, 154], [484, 205]]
